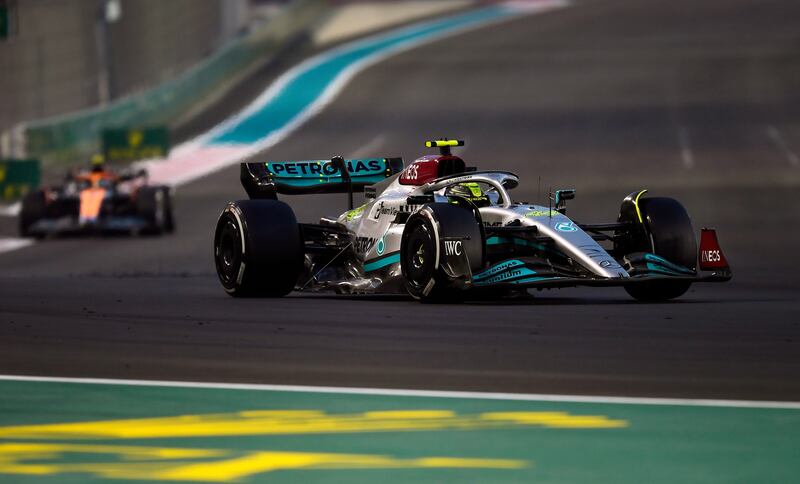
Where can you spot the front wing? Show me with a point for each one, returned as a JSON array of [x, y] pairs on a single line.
[[527, 272]]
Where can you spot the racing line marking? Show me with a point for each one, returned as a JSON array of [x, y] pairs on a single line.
[[532, 397], [782, 145]]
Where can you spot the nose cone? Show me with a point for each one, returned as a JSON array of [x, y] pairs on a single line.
[[582, 248], [611, 269]]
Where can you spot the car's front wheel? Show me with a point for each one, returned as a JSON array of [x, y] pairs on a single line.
[[422, 249], [668, 233]]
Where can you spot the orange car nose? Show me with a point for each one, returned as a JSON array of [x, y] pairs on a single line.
[[91, 200]]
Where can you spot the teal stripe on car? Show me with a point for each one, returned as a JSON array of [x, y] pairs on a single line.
[[310, 182], [495, 240], [497, 268], [663, 270], [376, 264], [666, 266], [506, 276]]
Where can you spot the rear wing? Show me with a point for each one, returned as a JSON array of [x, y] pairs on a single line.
[[337, 175]]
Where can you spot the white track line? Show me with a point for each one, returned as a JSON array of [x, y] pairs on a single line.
[[10, 210], [686, 148], [336, 85], [782, 145], [532, 397], [7, 244], [11, 243]]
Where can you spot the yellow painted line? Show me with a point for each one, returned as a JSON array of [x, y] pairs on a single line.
[[171, 464], [281, 422], [556, 419], [282, 413], [410, 414]]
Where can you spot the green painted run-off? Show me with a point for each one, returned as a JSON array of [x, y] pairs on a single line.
[[609, 443]]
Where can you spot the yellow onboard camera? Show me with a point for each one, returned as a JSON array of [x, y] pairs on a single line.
[[444, 144]]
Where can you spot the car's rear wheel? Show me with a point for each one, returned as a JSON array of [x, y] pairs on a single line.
[[668, 234], [258, 249], [34, 208], [154, 205], [422, 250]]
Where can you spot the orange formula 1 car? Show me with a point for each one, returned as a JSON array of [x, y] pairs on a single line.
[[100, 201]]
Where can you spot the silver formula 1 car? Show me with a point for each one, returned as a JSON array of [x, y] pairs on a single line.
[[440, 231]]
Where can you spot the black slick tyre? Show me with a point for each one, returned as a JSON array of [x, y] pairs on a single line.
[[671, 236], [422, 249], [34, 208], [154, 205], [258, 249]]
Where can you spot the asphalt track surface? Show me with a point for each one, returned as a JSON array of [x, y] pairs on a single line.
[[696, 100]]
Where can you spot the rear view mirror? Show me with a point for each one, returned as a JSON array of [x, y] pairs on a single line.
[[561, 197]]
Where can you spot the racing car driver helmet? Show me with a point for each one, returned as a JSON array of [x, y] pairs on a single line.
[[98, 163], [469, 190]]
